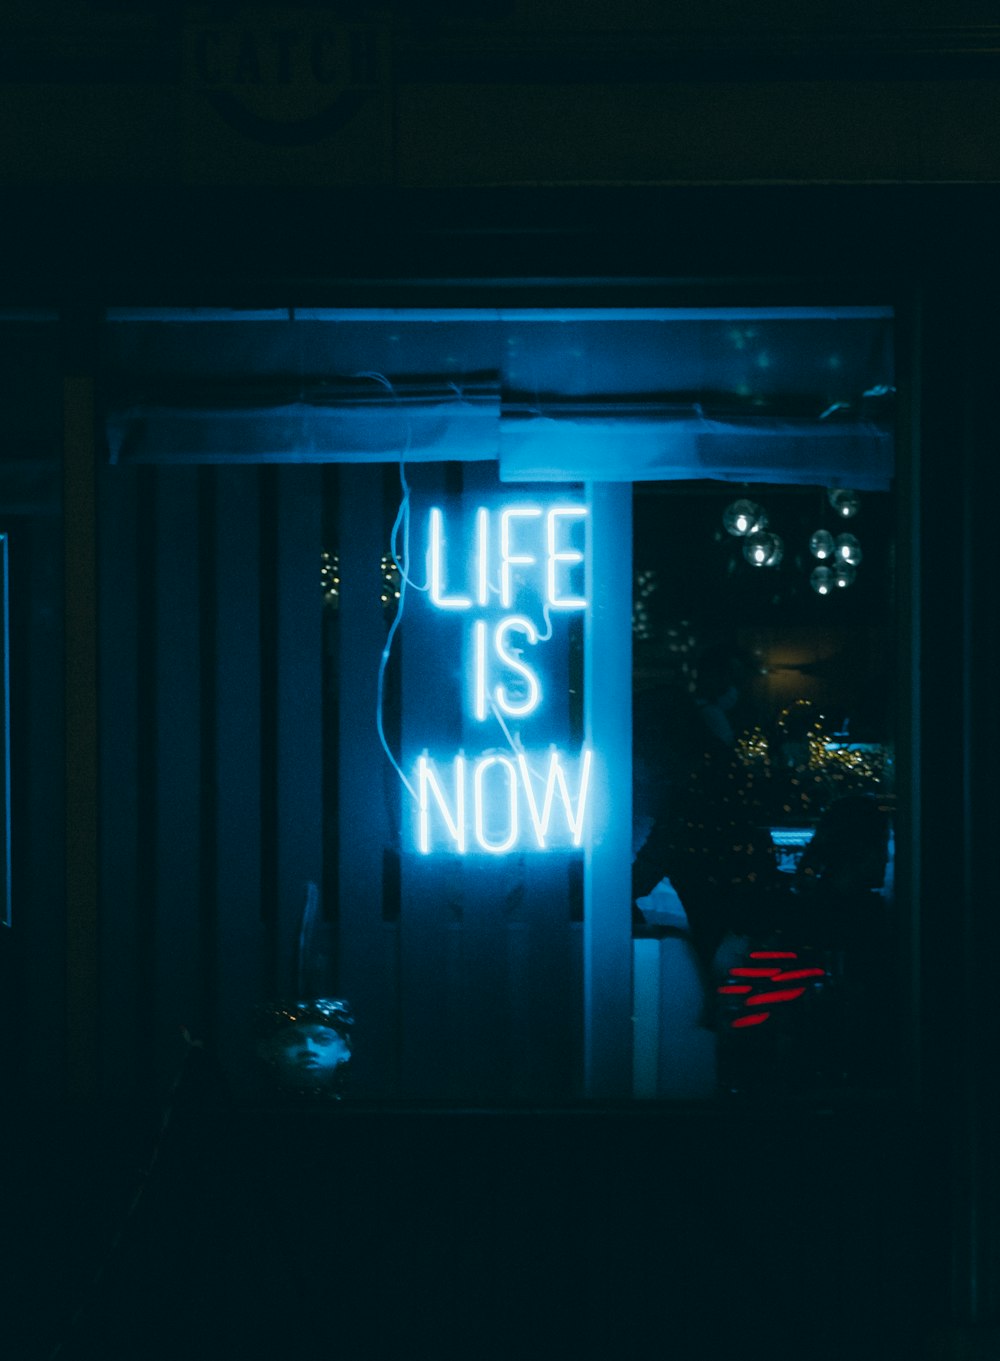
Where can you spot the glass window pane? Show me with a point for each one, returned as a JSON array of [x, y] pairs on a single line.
[[764, 784]]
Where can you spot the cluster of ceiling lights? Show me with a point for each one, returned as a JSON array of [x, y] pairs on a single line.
[[837, 556]]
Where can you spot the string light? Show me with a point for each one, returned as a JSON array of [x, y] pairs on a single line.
[[821, 580], [753, 746], [764, 549], [389, 592], [330, 578], [837, 556], [848, 549], [646, 584], [391, 580], [845, 503], [800, 711], [743, 517], [821, 545]]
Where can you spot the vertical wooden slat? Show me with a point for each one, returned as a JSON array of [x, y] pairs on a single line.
[[608, 687], [79, 519], [430, 942], [299, 708], [239, 931], [366, 786], [543, 998], [434, 899], [481, 999], [177, 845], [492, 890], [39, 831], [546, 1029], [488, 980], [122, 1006], [518, 963]]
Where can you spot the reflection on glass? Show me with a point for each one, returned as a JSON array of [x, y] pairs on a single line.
[[846, 503], [821, 545], [848, 549]]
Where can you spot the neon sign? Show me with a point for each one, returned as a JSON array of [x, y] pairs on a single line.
[[505, 799]]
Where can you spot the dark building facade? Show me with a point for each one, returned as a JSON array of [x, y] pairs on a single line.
[[268, 273]]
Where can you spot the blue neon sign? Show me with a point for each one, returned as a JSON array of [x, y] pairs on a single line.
[[519, 559]]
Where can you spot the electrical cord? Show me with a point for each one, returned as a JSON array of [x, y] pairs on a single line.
[[401, 560]]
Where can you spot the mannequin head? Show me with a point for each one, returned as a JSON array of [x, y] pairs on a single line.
[[307, 1046]]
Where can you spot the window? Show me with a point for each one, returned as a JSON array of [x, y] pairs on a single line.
[[514, 538]]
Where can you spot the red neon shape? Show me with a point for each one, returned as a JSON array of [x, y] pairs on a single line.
[[736, 987], [773, 954], [753, 973], [742, 1021], [789, 974], [782, 995]]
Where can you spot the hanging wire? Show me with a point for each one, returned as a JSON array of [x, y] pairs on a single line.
[[402, 519], [401, 559], [514, 741], [383, 666]]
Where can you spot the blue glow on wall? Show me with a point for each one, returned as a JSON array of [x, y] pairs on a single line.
[[504, 571]]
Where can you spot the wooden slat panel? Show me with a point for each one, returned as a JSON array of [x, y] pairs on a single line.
[[299, 708], [490, 998], [176, 886], [122, 1003], [240, 973]]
